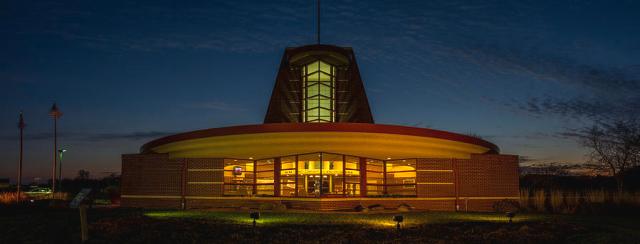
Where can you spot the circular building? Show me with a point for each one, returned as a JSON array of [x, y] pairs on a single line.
[[319, 148]]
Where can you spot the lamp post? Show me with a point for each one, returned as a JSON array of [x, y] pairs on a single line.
[[60, 153], [55, 113], [21, 125]]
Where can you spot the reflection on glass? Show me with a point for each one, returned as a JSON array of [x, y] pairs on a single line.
[[319, 174], [264, 177], [401, 177], [375, 177], [288, 176], [238, 177]]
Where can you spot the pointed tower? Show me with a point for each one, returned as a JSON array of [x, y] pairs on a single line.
[[318, 83]]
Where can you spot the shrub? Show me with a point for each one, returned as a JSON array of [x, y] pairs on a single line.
[[404, 207], [266, 206], [375, 207]]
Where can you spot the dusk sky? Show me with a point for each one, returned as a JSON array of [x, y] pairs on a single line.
[[519, 74]]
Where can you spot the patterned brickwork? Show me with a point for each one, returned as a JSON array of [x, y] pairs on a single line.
[[433, 163], [435, 177], [205, 163], [436, 190], [153, 174], [204, 190], [489, 176], [204, 177]]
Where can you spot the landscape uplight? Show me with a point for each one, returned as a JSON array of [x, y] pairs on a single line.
[[398, 219], [511, 215], [254, 215]]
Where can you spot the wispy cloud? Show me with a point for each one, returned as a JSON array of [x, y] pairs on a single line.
[[95, 137], [215, 105], [127, 136]]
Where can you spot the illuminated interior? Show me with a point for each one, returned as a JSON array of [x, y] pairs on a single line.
[[319, 92], [319, 175]]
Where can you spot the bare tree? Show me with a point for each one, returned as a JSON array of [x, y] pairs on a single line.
[[615, 145], [83, 175]]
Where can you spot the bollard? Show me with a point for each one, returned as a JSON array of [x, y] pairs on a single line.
[[84, 229]]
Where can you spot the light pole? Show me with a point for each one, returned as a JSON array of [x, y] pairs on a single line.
[[55, 114], [60, 153], [21, 125]]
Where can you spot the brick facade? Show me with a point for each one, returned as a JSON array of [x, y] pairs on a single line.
[[475, 184]]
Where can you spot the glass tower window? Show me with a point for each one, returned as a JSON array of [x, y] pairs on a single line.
[[319, 92]]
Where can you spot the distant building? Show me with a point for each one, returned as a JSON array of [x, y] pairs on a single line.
[[319, 149]]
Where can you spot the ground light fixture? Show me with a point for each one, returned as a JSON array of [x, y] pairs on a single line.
[[398, 219], [511, 215], [254, 215]]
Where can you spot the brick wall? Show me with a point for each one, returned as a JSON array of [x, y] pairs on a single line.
[[204, 177], [473, 184], [151, 174], [435, 177]]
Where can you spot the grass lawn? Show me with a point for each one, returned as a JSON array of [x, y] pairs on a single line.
[[45, 225], [373, 220]]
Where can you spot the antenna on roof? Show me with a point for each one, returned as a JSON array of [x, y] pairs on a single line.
[[318, 22]]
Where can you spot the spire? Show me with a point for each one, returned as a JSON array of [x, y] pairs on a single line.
[[318, 23]]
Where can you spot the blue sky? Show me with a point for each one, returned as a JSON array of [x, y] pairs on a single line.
[[519, 74]]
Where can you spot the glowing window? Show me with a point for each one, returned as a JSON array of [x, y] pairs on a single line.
[[319, 92]]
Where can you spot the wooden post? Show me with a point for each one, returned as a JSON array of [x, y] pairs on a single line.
[[84, 229]]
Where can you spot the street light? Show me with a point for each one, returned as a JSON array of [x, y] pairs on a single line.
[[60, 154], [55, 113], [21, 125]]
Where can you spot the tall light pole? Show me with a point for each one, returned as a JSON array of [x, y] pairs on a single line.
[[21, 125], [55, 114], [60, 153]]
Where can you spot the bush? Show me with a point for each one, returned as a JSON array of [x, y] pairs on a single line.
[[405, 207], [266, 206], [375, 207], [279, 207]]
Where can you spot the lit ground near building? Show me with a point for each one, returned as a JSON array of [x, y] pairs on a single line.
[[208, 226]]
